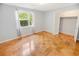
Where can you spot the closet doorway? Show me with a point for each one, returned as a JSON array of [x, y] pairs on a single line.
[[68, 25]]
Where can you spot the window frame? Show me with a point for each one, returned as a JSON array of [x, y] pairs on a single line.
[[17, 12]]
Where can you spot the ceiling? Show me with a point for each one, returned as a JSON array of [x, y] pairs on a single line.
[[40, 6]]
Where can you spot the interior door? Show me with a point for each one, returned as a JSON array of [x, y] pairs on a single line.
[[68, 25]]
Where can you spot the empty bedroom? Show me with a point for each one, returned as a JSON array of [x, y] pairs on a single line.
[[39, 29]]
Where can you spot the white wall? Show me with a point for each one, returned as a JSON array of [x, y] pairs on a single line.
[[8, 23], [50, 22], [68, 12], [39, 21], [53, 17], [38, 24]]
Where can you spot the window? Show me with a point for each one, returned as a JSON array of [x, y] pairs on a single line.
[[25, 18]]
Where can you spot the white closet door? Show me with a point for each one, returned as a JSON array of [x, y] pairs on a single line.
[[68, 25]]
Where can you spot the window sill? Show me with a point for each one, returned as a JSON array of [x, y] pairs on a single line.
[[26, 26]]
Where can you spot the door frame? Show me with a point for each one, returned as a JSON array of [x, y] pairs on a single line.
[[76, 29]]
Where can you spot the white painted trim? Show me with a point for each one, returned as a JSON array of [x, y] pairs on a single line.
[[76, 30], [59, 23], [17, 37], [7, 40]]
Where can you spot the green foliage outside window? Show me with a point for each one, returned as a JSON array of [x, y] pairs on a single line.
[[25, 18], [24, 22]]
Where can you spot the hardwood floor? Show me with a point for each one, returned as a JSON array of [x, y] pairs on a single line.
[[41, 44]]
